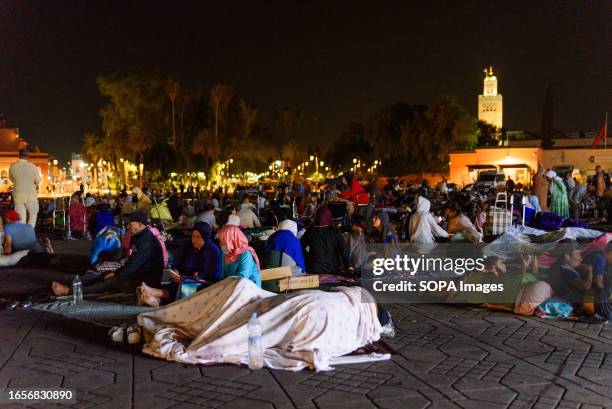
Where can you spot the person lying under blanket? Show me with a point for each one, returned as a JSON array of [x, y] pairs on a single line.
[[301, 329]]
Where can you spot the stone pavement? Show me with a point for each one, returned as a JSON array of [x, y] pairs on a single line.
[[447, 357]]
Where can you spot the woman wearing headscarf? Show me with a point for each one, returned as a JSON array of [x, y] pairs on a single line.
[[285, 241], [383, 232], [423, 227], [325, 250], [239, 259], [200, 258], [559, 203]]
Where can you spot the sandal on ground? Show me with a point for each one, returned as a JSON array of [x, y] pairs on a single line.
[[134, 335], [117, 333]]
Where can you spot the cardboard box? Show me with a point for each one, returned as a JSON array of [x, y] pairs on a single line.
[[275, 273], [291, 283]]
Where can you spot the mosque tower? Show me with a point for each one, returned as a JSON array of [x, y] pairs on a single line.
[[490, 103]]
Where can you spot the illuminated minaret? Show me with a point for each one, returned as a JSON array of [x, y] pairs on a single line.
[[490, 103]]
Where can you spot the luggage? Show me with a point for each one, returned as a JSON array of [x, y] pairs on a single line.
[[498, 221]]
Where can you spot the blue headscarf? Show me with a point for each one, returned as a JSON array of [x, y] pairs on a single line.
[[286, 242], [206, 262]]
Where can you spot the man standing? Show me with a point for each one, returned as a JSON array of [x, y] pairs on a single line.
[[576, 197], [540, 187], [600, 189], [25, 178]]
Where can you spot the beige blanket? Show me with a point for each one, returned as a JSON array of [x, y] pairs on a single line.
[[301, 329]]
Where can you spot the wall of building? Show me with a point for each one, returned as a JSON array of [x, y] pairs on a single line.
[[584, 159], [40, 160]]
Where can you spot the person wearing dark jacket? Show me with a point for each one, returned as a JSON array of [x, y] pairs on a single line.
[[325, 250], [145, 264]]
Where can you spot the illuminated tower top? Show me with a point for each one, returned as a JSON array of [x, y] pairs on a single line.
[[490, 83]]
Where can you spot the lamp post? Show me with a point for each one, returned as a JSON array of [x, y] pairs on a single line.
[[315, 158]]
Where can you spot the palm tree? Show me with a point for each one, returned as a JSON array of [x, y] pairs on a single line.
[[248, 114], [140, 141], [92, 152], [207, 146], [220, 97], [173, 90]]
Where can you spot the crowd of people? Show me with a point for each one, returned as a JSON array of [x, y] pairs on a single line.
[[175, 236]]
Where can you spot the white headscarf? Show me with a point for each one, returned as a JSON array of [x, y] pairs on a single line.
[[233, 220], [288, 225], [90, 201], [551, 174]]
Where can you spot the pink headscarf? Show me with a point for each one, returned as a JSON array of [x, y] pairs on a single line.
[[236, 242]]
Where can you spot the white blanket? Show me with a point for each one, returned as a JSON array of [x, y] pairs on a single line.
[[12, 259], [300, 329]]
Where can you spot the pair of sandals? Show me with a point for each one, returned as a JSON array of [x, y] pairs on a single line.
[[130, 334]]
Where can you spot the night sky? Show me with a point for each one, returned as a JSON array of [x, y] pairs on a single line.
[[341, 59]]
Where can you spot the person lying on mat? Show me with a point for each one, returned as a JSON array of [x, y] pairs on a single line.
[[145, 264], [200, 258], [325, 249], [239, 259], [19, 235]]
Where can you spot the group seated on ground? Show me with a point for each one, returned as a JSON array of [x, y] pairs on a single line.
[[307, 237]]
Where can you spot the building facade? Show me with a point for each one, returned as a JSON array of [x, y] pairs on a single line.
[[520, 163], [10, 143]]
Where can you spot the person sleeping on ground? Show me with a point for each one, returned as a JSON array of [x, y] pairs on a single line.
[[285, 244], [239, 259], [300, 329], [145, 264], [324, 247], [200, 258]]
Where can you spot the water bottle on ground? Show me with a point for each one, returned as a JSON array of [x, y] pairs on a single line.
[[255, 343], [77, 289]]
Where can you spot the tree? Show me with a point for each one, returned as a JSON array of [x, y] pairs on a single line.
[[173, 90], [417, 138], [293, 152], [220, 98], [248, 115], [91, 151], [487, 134], [136, 110], [206, 146], [351, 143], [288, 119]]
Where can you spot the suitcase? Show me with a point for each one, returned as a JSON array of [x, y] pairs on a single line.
[[498, 221]]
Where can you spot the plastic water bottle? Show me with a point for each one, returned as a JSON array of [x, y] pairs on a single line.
[[255, 343], [77, 290]]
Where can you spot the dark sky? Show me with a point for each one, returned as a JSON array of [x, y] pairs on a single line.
[[342, 59]]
